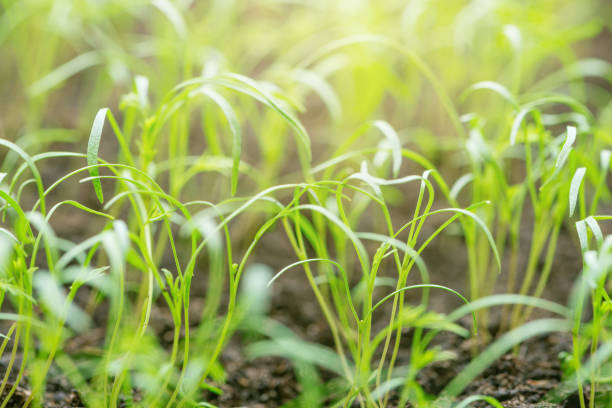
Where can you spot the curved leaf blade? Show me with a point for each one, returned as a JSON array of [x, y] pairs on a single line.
[[575, 189], [93, 145]]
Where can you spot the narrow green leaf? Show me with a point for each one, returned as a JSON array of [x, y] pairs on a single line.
[[459, 184], [51, 294], [77, 250], [235, 129], [293, 348], [567, 147], [398, 245], [254, 289], [514, 36], [411, 56], [65, 71], [495, 87], [473, 398], [582, 235], [569, 386], [324, 260], [82, 275], [92, 151], [396, 147], [482, 226], [516, 125], [251, 87], [594, 226], [375, 182], [14, 290], [604, 157], [590, 67], [508, 299], [29, 161], [575, 189], [362, 254], [286, 268], [423, 286], [319, 85], [9, 234], [499, 347], [570, 138], [169, 10], [386, 387]]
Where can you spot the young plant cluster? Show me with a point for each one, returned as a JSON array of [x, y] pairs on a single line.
[[357, 146]]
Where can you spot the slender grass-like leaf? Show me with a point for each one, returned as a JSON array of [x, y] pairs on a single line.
[[499, 347], [29, 161], [479, 222], [473, 398], [65, 71], [396, 146], [51, 295], [76, 250], [82, 275], [362, 254], [517, 124], [531, 106], [422, 286], [418, 62], [327, 94], [336, 264], [173, 15], [575, 189], [386, 387], [570, 385], [93, 145], [9, 234], [412, 253], [235, 129], [293, 348], [582, 235], [493, 86], [376, 182], [589, 67], [15, 290], [594, 226], [570, 138], [604, 159], [508, 299], [35, 158], [250, 87], [459, 184]]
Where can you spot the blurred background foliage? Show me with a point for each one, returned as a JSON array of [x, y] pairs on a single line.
[[62, 60], [346, 69]]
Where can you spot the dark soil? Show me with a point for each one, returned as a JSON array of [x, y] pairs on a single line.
[[520, 380], [59, 392], [262, 382], [516, 380]]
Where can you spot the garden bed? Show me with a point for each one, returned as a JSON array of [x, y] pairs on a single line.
[[305, 204]]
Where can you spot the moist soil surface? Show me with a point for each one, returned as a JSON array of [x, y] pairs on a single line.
[[520, 379]]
